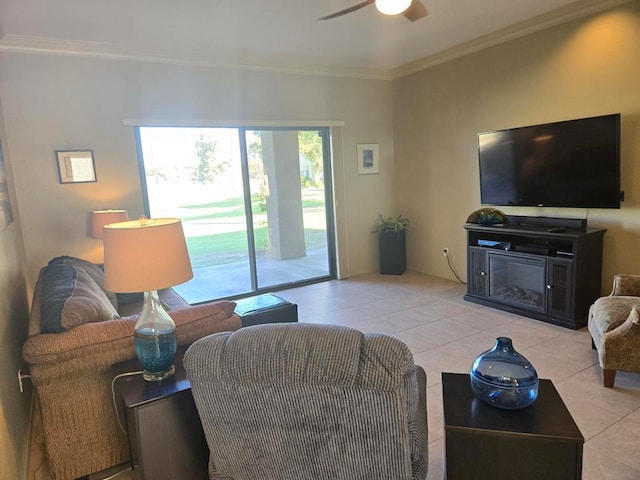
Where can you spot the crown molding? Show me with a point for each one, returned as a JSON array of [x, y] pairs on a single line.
[[47, 46], [198, 123], [573, 11]]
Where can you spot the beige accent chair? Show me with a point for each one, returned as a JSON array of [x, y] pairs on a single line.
[[295, 401], [614, 325], [72, 375]]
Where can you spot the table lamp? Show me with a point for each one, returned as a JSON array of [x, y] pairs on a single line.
[[100, 218], [146, 255]]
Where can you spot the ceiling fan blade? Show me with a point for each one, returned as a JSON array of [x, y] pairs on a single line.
[[415, 11], [348, 10]]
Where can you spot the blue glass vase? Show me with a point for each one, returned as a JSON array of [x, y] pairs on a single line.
[[155, 339], [503, 378]]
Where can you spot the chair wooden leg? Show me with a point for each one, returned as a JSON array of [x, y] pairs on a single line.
[[609, 377], [593, 344]]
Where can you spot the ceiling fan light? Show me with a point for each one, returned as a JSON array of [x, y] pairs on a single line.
[[392, 7]]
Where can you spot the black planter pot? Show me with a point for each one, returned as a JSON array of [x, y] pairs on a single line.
[[393, 253]]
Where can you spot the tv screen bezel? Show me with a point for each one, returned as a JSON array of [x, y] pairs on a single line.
[[614, 204]]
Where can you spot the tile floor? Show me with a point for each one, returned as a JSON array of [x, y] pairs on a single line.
[[445, 333]]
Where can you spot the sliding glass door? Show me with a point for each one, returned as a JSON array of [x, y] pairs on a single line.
[[255, 204]]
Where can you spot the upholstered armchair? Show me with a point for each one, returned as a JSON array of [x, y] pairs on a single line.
[[614, 325], [307, 401]]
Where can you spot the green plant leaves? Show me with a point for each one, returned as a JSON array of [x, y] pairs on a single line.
[[392, 224]]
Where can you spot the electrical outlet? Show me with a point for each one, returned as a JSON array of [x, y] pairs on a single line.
[[445, 252]]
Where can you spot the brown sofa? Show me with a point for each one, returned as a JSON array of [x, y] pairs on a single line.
[[71, 369]]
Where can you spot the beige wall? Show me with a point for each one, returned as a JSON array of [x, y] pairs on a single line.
[[57, 102], [14, 406], [580, 69]]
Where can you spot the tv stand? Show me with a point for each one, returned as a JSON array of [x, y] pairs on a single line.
[[545, 268]]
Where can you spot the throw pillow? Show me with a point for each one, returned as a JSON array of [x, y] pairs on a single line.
[[70, 297], [93, 270]]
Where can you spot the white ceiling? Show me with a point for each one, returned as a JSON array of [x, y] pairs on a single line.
[[276, 33]]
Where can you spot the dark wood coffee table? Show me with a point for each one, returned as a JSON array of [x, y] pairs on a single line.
[[483, 442]]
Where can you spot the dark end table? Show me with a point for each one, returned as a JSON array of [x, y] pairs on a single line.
[[165, 434], [484, 442]]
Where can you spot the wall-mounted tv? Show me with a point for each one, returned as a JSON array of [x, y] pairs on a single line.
[[575, 163]]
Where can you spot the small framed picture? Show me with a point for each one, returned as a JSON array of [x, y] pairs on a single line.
[[6, 214], [76, 166], [368, 158]]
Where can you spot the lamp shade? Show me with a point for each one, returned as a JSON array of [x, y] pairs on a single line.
[[392, 7], [145, 255], [100, 218]]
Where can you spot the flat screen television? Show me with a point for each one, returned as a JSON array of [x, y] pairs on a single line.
[[575, 163]]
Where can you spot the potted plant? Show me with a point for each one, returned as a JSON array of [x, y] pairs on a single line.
[[392, 239]]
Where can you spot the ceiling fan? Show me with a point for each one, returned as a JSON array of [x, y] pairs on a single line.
[[412, 9]]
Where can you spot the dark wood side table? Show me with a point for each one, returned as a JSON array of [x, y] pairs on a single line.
[[165, 434], [483, 442]]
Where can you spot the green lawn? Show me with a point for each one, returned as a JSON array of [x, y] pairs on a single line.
[[235, 208], [231, 247]]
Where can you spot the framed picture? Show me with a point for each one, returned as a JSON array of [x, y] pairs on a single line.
[[76, 166], [6, 214], [368, 158]]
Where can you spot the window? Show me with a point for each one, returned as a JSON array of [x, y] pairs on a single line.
[[255, 204]]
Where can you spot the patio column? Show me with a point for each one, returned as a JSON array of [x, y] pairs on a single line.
[[284, 199]]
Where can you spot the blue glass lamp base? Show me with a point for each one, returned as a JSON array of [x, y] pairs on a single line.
[[157, 376], [155, 353], [155, 339]]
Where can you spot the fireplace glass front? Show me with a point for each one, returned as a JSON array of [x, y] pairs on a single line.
[[518, 281]]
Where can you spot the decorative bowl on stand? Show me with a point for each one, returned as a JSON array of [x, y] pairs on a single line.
[[487, 216]]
